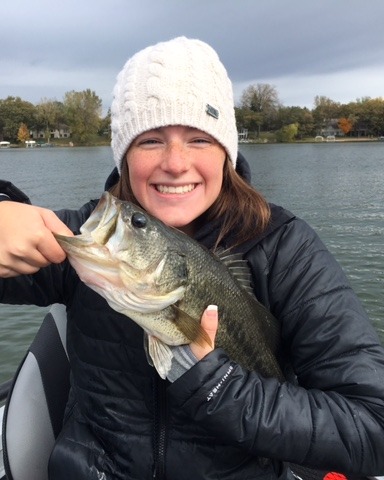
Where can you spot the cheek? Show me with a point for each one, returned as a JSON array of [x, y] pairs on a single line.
[[214, 177], [139, 172], [217, 185]]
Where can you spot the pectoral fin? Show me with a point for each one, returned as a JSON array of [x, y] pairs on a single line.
[[159, 355], [190, 327], [146, 349]]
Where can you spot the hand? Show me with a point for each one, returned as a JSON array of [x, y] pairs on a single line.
[[26, 239], [209, 321], [185, 356]]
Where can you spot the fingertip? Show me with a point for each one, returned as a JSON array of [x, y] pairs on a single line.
[[65, 232], [210, 318], [211, 310]]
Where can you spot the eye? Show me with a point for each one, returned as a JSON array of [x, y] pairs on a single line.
[[149, 141], [139, 220], [202, 140]]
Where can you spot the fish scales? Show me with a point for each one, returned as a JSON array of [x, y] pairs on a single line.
[[163, 280], [244, 322]]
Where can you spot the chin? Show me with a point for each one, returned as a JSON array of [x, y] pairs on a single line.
[[181, 223]]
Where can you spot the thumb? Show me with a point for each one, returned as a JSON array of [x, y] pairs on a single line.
[[54, 224], [210, 322], [48, 246]]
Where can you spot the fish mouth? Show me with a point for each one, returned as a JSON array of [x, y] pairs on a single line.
[[175, 189]]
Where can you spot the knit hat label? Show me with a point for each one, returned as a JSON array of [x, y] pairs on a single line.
[[213, 112]]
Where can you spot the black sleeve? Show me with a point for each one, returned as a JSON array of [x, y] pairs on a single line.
[[8, 191]]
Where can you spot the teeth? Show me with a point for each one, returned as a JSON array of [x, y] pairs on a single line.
[[179, 190]]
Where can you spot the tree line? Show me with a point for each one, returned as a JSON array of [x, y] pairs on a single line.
[[79, 111], [260, 110], [259, 113]]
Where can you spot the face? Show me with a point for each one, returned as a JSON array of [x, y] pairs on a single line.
[[176, 173]]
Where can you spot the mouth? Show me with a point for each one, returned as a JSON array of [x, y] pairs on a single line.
[[178, 190]]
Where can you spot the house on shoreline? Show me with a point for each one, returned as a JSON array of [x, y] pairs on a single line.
[[62, 131]]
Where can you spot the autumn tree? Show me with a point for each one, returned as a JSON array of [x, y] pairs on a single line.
[[263, 101], [23, 133], [345, 125], [83, 114]]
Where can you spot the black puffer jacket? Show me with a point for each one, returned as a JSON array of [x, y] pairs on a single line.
[[217, 420]]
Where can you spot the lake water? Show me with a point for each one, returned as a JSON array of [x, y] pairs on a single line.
[[337, 187]]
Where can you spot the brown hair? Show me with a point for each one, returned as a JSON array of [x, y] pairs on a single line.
[[237, 200]]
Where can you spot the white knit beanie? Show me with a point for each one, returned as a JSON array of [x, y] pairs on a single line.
[[179, 82]]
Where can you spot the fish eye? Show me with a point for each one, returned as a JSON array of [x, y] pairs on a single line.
[[139, 220]]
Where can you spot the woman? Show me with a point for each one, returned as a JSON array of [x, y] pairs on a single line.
[[174, 142]]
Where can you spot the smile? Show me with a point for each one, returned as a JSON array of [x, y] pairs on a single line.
[[178, 190]]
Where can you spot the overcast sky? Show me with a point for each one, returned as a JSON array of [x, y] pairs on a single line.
[[304, 48]]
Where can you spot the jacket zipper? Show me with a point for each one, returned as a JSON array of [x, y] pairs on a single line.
[[160, 428]]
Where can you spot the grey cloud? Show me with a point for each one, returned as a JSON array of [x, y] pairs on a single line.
[[74, 42]]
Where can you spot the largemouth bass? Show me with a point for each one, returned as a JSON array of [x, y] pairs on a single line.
[[163, 280]]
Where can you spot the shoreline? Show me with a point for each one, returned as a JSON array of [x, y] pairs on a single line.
[[247, 142]]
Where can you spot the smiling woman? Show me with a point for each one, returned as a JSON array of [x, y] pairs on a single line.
[[174, 143]]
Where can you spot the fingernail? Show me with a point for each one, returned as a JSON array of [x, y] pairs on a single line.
[[212, 310]]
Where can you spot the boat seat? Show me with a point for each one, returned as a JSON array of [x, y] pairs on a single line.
[[35, 405]]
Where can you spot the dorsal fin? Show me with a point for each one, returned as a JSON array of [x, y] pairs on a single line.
[[238, 267]]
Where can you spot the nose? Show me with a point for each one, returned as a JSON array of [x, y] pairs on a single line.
[[176, 159]]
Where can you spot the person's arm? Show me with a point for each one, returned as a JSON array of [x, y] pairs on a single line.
[[334, 417], [8, 191]]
